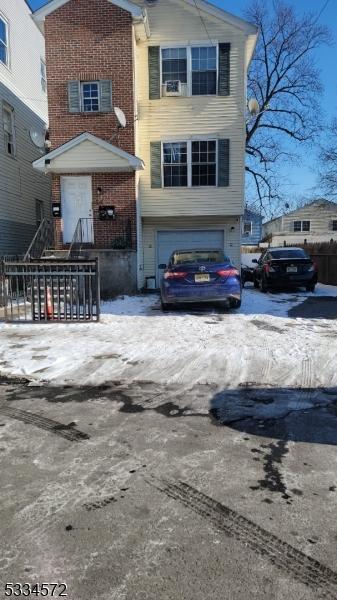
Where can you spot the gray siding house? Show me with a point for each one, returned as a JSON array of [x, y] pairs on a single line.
[[24, 193], [313, 223], [251, 228]]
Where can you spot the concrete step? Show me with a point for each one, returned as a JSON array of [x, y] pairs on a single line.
[[57, 254]]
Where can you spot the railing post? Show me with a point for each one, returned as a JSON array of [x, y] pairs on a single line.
[[98, 288]]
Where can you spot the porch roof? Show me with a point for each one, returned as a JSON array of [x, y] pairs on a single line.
[[87, 153]]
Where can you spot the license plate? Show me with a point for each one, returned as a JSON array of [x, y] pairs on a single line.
[[202, 277], [291, 269]]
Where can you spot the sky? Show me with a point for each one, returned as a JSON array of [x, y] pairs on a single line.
[[301, 177]]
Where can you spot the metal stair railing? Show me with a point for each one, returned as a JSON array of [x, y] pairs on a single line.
[[43, 239], [77, 241]]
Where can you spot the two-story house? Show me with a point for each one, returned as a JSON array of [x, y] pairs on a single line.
[[178, 71], [24, 193], [313, 223]]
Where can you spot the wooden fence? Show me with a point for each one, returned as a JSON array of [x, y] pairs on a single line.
[[327, 267]]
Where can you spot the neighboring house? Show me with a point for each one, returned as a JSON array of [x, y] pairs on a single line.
[[312, 223], [175, 174], [24, 193], [251, 228]]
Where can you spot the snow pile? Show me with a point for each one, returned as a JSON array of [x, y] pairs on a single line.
[[136, 341]]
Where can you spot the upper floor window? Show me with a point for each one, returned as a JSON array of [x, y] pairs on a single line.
[[4, 54], [90, 96], [175, 164], [43, 73], [8, 127], [301, 226], [204, 163], [334, 225], [195, 67], [190, 163], [247, 228], [204, 71]]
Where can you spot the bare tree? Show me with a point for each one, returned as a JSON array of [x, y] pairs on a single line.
[[328, 171], [286, 82]]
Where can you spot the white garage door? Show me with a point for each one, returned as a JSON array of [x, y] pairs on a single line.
[[186, 239]]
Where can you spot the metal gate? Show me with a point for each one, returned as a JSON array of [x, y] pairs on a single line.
[[46, 291]]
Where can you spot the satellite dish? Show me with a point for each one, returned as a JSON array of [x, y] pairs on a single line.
[[121, 118], [37, 137], [253, 107]]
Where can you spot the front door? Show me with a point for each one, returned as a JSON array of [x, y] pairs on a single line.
[[76, 202]]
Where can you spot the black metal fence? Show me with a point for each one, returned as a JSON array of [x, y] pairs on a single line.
[[50, 291]]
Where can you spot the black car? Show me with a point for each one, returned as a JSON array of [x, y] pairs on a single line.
[[285, 267]]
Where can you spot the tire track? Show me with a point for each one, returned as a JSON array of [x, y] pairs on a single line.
[[281, 554], [66, 431]]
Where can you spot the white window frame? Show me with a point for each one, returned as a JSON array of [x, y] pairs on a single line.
[[43, 75], [251, 228], [204, 44], [189, 163], [90, 112], [302, 221], [6, 22], [10, 110]]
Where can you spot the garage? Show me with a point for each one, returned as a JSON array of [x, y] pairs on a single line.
[[186, 239]]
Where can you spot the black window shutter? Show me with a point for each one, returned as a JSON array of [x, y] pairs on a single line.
[[224, 69], [223, 163], [74, 96], [156, 165], [154, 72], [105, 95]]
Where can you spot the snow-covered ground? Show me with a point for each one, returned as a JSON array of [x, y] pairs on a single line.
[[135, 341]]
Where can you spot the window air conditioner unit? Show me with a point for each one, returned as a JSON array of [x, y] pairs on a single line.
[[172, 88]]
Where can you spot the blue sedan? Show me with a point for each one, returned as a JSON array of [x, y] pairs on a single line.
[[194, 276]]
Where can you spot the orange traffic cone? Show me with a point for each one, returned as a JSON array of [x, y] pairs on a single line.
[[49, 304]]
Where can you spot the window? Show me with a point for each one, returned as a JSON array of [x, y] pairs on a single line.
[[204, 163], [39, 212], [8, 126], [175, 164], [90, 96], [43, 75], [174, 64], [4, 56], [196, 67], [288, 253], [187, 164], [334, 225], [247, 228], [204, 71], [301, 226]]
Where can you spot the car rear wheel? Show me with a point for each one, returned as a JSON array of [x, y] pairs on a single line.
[[264, 286], [165, 307], [235, 303], [256, 284], [311, 287]]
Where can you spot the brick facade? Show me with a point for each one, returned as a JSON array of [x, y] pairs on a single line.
[[91, 40]]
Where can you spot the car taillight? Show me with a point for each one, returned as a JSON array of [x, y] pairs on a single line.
[[174, 275], [228, 272], [268, 268]]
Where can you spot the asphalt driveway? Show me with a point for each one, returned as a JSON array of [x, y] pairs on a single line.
[[126, 492]]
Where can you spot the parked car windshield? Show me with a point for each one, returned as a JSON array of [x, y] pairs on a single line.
[[198, 256], [288, 253]]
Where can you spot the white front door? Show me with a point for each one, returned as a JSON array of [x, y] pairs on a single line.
[[76, 203]]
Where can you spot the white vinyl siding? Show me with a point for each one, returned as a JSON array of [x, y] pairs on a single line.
[[20, 184], [88, 156], [191, 118]]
